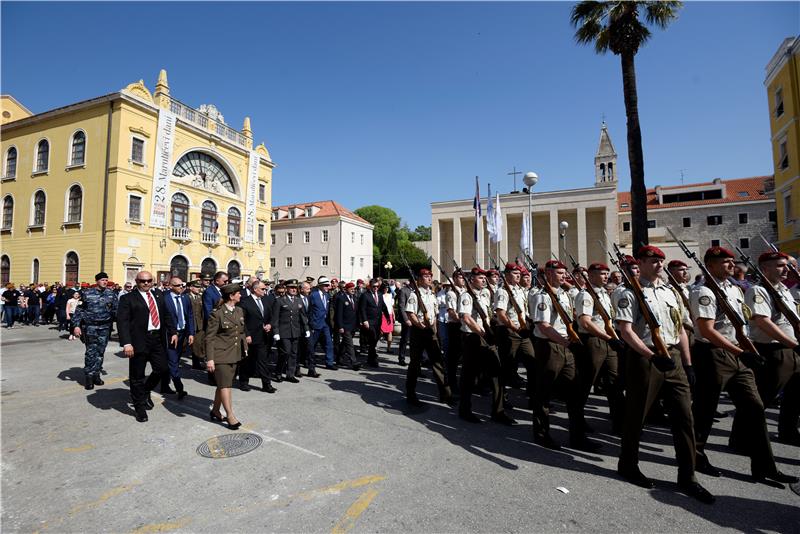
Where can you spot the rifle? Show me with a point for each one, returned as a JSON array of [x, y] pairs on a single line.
[[520, 314], [660, 348], [412, 280], [487, 327], [677, 286], [787, 312], [774, 248], [722, 301], [566, 319], [607, 326]]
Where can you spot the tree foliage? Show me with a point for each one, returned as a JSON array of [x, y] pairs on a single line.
[[392, 241]]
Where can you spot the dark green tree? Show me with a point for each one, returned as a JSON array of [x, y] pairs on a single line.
[[618, 26], [391, 241]]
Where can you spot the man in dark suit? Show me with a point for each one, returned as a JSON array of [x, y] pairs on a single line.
[[346, 322], [212, 294], [319, 310], [255, 326], [405, 324], [289, 324], [144, 326], [179, 308], [370, 307], [269, 301]]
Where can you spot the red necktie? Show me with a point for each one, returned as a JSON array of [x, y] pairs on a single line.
[[153, 311], [376, 297]]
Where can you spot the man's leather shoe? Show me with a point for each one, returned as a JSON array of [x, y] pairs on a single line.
[[585, 445], [98, 381], [469, 417], [278, 378], [181, 394], [635, 477], [402, 362], [167, 391], [148, 403], [356, 367], [547, 442], [141, 415], [89, 384], [702, 465], [694, 489], [777, 476], [503, 419], [314, 374], [413, 400], [244, 386], [292, 379], [331, 368], [268, 389]]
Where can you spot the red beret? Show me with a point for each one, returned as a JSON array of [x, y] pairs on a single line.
[[649, 251], [599, 267], [629, 260], [524, 270], [717, 252], [423, 272], [554, 264], [475, 271], [772, 255], [349, 285], [360, 281], [676, 264], [492, 272], [512, 267]]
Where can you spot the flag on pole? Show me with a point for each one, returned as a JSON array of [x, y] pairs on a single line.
[[476, 204], [525, 237], [490, 217], [498, 220]]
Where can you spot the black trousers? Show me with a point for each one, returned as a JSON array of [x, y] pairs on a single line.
[[154, 353], [405, 335], [479, 357], [369, 342], [454, 351], [287, 355], [256, 364], [346, 354], [425, 341]]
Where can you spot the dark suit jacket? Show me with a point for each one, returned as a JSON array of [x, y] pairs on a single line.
[[371, 312], [402, 300], [289, 318], [188, 313], [210, 297], [346, 316], [317, 313], [253, 320], [132, 320]]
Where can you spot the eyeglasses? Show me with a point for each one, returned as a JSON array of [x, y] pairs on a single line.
[[178, 285], [148, 281]]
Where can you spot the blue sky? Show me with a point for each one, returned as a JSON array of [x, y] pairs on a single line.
[[401, 104]]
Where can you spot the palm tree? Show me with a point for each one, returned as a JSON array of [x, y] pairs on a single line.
[[616, 26]]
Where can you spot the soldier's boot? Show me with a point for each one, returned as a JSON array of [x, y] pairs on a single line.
[[97, 381], [88, 382]]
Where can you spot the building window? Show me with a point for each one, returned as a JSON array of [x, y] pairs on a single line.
[[208, 267], [292, 213], [8, 212], [687, 222], [289, 261], [137, 150], [234, 222], [5, 270], [262, 193], [362, 239], [324, 236], [274, 215], [306, 237], [361, 262], [626, 226], [234, 269], [39, 205], [135, 208], [261, 232], [78, 155], [306, 261], [778, 102], [624, 205], [324, 261], [71, 268], [42, 156], [272, 263], [208, 218], [352, 261], [309, 212], [772, 216], [179, 211], [715, 242], [35, 271], [714, 220], [742, 218], [74, 204], [744, 242], [787, 207], [289, 238], [783, 157], [352, 237], [272, 238], [651, 223], [11, 163]]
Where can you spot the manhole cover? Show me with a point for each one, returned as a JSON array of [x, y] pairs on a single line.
[[229, 445]]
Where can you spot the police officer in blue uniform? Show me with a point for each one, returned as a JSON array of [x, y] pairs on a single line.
[[93, 318]]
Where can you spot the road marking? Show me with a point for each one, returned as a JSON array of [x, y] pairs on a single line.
[[162, 527], [64, 390], [82, 448], [78, 508], [249, 428], [348, 521]]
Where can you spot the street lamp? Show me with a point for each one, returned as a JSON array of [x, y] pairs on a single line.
[[388, 267], [530, 179], [563, 225]]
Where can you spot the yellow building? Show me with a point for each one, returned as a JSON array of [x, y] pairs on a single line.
[[131, 181], [783, 90]]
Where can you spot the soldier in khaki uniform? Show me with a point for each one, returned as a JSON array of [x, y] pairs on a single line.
[[423, 339], [721, 364], [199, 345], [225, 343]]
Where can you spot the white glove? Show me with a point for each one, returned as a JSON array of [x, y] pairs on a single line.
[[308, 334], [276, 337]]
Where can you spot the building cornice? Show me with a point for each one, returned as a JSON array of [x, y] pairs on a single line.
[[310, 221], [17, 102], [788, 47], [600, 191], [650, 209]]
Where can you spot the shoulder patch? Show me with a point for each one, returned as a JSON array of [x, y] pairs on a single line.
[[758, 299], [542, 306], [623, 303], [705, 300]]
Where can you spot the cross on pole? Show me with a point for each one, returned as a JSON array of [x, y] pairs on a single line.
[[514, 173]]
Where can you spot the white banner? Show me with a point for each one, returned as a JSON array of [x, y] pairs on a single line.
[[163, 168], [252, 188]]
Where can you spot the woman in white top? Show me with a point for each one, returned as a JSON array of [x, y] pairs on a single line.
[[387, 325], [71, 305]]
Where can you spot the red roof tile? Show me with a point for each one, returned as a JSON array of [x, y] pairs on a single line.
[[327, 208], [736, 190]]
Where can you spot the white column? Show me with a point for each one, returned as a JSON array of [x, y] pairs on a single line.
[[506, 236], [581, 235], [436, 249], [457, 240], [612, 227], [554, 243]]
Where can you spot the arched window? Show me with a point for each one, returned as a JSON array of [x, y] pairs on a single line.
[[234, 222], [179, 211], [204, 170], [603, 171], [74, 204], [78, 156], [35, 273], [179, 266], [11, 163], [610, 171], [71, 265], [234, 269], [5, 270], [42, 156], [8, 212], [208, 221], [208, 267], [39, 208]]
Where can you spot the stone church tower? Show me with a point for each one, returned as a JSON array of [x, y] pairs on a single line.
[[605, 161]]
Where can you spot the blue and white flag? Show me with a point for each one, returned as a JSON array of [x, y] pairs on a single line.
[[491, 220]]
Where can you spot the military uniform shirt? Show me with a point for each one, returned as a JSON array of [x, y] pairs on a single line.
[[428, 299], [96, 308], [452, 302], [704, 306], [584, 305], [465, 306], [664, 303], [758, 300], [687, 316], [541, 310], [617, 294], [502, 302]]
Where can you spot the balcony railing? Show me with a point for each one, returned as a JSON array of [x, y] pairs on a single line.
[[209, 238], [202, 120], [180, 233], [234, 241]]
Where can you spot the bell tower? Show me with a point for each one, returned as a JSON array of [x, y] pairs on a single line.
[[605, 161]]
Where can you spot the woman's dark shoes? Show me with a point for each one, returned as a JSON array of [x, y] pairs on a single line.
[[215, 417], [235, 426]]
